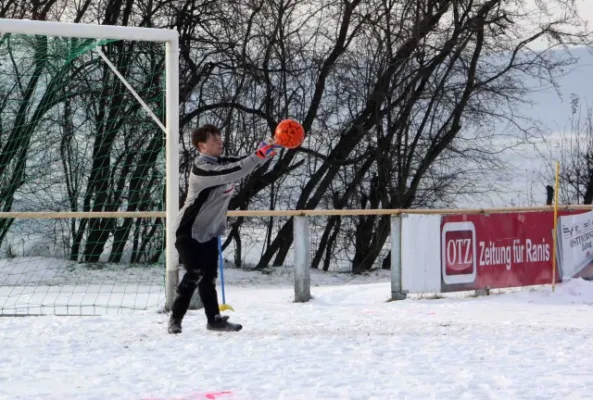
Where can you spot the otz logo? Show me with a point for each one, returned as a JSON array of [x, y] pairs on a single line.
[[458, 252]]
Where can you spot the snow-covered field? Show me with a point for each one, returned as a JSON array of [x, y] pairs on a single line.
[[347, 343]]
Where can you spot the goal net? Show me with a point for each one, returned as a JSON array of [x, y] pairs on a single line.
[[88, 130]]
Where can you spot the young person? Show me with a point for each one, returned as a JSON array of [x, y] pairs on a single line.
[[203, 218]]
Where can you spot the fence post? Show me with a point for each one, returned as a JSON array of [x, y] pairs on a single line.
[[396, 260], [302, 260]]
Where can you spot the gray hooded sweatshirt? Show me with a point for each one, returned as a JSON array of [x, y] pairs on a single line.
[[211, 186]]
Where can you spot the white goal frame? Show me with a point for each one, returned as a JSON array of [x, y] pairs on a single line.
[[171, 127]]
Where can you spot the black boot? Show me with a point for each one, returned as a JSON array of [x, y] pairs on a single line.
[[174, 325], [222, 324], [183, 296]]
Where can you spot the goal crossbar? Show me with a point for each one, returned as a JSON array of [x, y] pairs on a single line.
[[87, 31]]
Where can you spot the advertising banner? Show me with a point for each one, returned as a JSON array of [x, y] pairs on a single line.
[[575, 245], [496, 251]]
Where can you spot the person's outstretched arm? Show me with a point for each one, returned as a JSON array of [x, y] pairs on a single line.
[[231, 159], [215, 175]]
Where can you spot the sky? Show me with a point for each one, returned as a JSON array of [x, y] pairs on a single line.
[[584, 7], [531, 167], [586, 10]]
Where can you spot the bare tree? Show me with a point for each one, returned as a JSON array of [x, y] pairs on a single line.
[[437, 76], [401, 101], [575, 153]]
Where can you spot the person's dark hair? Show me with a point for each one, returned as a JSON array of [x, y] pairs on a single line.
[[202, 133]]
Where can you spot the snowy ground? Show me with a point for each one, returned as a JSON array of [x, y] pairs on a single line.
[[53, 286], [347, 343]]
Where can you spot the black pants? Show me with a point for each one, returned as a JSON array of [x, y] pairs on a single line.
[[201, 264]]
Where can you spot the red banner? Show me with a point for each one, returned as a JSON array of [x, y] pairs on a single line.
[[496, 251]]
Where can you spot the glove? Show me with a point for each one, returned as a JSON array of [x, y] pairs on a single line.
[[267, 148]]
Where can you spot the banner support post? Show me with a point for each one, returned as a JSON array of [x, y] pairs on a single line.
[[554, 232]]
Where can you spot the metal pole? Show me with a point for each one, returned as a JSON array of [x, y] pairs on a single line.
[[172, 169], [396, 260], [302, 263]]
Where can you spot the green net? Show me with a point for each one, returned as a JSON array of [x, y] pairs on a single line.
[[74, 138]]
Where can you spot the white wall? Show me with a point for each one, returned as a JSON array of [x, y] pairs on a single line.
[[421, 255]]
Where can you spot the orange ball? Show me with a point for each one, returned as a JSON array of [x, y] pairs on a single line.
[[289, 133]]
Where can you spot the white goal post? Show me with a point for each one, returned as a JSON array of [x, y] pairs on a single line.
[[171, 125]]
